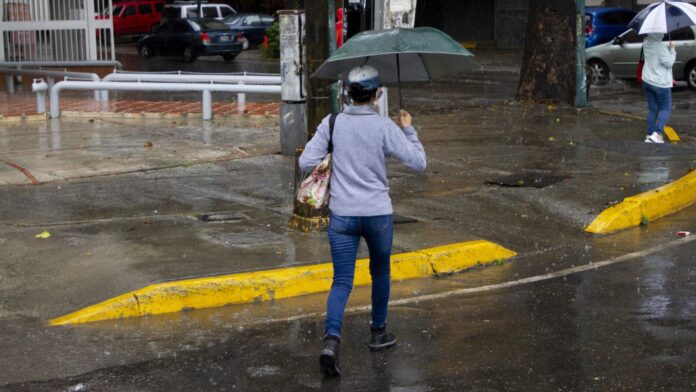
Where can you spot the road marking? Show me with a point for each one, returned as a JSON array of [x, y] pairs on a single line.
[[494, 287], [27, 174]]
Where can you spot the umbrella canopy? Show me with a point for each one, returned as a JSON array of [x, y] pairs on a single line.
[[664, 17], [409, 55]]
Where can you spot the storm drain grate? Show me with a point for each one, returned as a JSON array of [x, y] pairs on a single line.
[[222, 217], [530, 180]]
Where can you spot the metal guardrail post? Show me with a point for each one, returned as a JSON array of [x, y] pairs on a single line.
[[241, 101], [9, 81], [207, 105], [40, 87]]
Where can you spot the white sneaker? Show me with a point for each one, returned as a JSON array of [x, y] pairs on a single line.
[[655, 138]]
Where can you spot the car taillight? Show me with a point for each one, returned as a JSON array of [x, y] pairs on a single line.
[[588, 30], [205, 38], [240, 37]]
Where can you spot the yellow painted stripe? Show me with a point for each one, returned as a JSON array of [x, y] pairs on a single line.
[[265, 285], [648, 206]]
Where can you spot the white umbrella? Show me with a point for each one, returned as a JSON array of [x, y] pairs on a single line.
[[664, 17]]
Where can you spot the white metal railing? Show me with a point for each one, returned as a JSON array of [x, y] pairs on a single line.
[[51, 76], [205, 89], [50, 31]]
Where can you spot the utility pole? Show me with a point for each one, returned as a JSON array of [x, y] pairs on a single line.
[[320, 28], [581, 86]]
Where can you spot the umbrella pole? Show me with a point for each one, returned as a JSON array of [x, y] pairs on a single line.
[[398, 78]]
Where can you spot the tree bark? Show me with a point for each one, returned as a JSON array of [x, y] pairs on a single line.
[[548, 66]]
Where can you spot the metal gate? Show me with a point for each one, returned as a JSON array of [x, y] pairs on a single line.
[[56, 31]]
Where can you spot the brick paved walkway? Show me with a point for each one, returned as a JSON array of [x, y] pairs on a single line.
[[25, 104]]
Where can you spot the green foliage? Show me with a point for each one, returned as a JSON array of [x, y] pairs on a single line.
[[273, 49]]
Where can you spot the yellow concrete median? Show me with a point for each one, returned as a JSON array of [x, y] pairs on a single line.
[[646, 207], [266, 285]]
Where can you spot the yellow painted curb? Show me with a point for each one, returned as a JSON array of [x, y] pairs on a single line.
[[647, 206], [266, 285], [672, 135]]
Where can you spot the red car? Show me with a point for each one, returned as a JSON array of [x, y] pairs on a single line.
[[136, 17]]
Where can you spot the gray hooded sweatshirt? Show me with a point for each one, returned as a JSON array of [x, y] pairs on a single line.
[[659, 60], [362, 143]]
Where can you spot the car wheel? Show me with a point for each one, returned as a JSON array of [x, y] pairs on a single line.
[[690, 75], [245, 43], [228, 57], [189, 54], [145, 52], [599, 72]]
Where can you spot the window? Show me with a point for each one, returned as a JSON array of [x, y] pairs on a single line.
[[158, 7], [226, 11], [145, 9], [210, 12], [616, 18], [267, 20], [252, 20], [117, 10], [683, 34], [192, 12], [129, 11], [632, 37]]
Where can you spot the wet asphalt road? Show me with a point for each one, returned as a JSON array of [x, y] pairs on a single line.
[[624, 327]]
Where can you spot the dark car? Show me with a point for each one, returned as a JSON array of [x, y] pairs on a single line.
[[252, 26], [602, 24], [189, 39]]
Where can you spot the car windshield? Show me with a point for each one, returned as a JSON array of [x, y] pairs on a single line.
[[208, 24], [233, 19], [117, 10]]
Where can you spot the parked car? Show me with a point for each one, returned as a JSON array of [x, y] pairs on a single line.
[[190, 38], [136, 17], [189, 10], [252, 26], [603, 24], [620, 57]]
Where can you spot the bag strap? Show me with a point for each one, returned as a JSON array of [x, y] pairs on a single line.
[[332, 123], [642, 55]]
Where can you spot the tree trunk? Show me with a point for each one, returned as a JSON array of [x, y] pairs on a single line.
[[548, 66]]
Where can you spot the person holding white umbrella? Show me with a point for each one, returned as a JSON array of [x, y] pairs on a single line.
[[656, 20], [657, 84]]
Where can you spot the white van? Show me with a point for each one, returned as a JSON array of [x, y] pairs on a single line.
[[189, 10]]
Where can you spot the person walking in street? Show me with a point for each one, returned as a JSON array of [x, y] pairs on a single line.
[[657, 84], [360, 205]]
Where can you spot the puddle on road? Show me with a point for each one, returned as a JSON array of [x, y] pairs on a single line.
[[222, 217], [526, 180]]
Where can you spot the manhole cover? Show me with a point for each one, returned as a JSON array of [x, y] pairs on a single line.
[[532, 180], [222, 217]]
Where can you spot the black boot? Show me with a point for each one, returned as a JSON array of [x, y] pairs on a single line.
[[381, 339], [328, 358]]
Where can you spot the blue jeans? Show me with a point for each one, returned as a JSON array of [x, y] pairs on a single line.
[[344, 237], [659, 107]]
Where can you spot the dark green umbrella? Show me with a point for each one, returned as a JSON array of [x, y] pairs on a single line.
[[409, 55]]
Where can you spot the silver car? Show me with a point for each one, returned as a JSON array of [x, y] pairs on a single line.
[[620, 57]]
